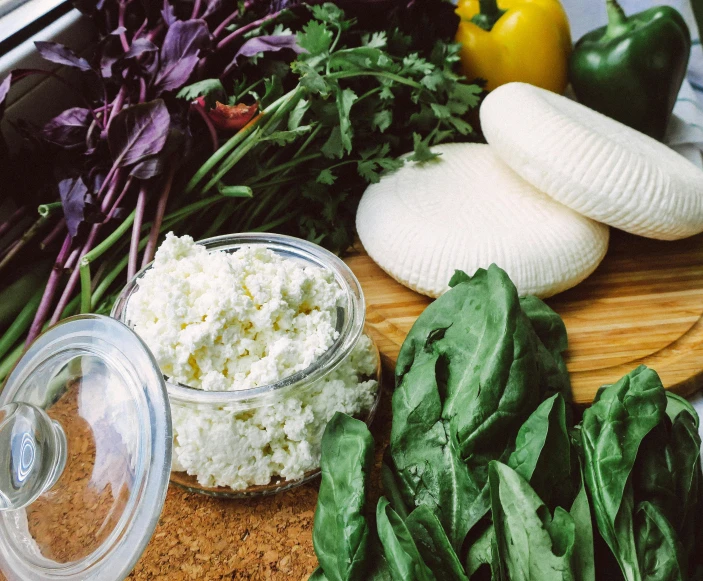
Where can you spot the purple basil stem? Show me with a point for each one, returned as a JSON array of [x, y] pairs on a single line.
[[179, 53], [138, 132], [73, 192], [69, 129], [59, 54]]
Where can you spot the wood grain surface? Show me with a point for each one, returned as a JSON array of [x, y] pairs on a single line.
[[643, 305]]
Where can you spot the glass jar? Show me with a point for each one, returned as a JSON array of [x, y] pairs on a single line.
[[223, 437]]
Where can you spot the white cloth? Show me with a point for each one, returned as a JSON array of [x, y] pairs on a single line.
[[685, 132]]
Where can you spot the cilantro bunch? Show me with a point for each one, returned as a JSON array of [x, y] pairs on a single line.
[[358, 101]]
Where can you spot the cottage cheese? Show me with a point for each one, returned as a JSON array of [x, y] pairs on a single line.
[[220, 322], [228, 447], [224, 322]]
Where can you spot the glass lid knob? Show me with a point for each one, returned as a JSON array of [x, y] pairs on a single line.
[[32, 454]]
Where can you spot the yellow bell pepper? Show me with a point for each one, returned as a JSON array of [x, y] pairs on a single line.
[[520, 40]]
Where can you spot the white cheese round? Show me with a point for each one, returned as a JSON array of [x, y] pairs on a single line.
[[466, 210], [593, 164]]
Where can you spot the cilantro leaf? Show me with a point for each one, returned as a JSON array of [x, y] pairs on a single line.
[[375, 40], [441, 111], [211, 89], [285, 137], [330, 13], [311, 79], [333, 147], [421, 150], [345, 100], [316, 38], [297, 114], [382, 120], [326, 177]]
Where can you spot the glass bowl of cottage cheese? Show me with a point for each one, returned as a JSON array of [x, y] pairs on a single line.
[[261, 340]]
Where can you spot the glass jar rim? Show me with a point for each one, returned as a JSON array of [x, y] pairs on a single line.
[[295, 247]]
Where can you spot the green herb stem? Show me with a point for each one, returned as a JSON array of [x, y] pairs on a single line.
[[284, 166], [234, 141], [46, 210], [21, 323], [379, 74], [8, 362], [232, 160], [94, 254]]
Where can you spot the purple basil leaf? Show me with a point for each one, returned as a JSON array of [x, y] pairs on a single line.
[[156, 164], [260, 44], [168, 13], [212, 7], [139, 47], [61, 55], [69, 129], [179, 53], [73, 192], [138, 132], [92, 214], [148, 168], [268, 44], [112, 51]]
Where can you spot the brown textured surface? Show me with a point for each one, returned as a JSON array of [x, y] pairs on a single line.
[[207, 539], [643, 305]]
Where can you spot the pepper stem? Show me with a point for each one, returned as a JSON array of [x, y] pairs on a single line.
[[488, 15], [617, 20]]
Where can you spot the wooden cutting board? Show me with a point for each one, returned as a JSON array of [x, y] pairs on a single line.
[[643, 305]]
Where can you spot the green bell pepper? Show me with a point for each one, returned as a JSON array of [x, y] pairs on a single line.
[[632, 69]]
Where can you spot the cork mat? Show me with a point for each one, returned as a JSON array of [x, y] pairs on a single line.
[[208, 539]]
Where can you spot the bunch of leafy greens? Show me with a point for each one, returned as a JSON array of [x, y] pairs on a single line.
[[331, 123], [206, 118], [487, 478]]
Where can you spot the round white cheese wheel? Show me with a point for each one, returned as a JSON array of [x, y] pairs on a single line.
[[466, 210], [593, 164]]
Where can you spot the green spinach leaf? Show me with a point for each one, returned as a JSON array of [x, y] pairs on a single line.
[[425, 459], [542, 454], [480, 553], [659, 551], [667, 474], [401, 553], [469, 373], [583, 558], [434, 546], [340, 532], [532, 543], [612, 430]]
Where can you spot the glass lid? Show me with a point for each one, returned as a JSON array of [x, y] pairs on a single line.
[[85, 454]]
